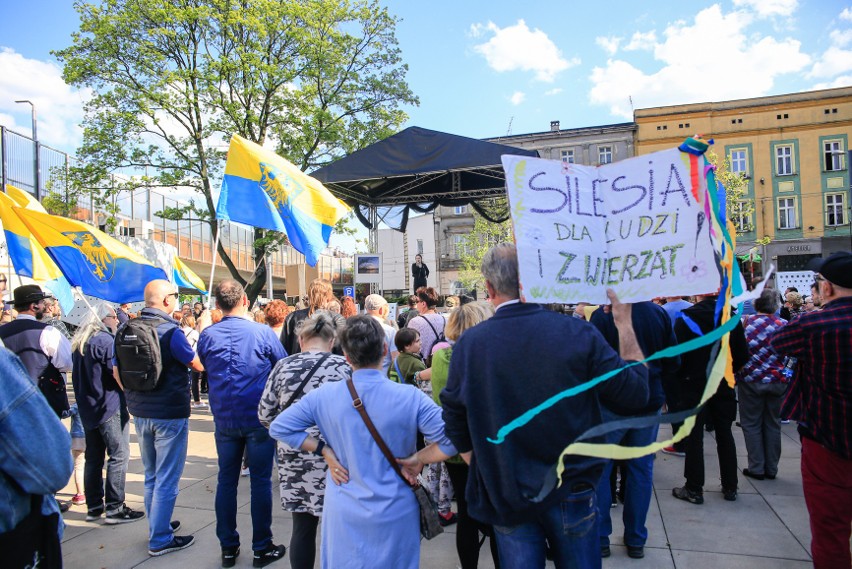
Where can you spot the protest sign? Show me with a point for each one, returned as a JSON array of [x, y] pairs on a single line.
[[639, 226]]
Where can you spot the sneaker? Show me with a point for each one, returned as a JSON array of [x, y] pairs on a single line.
[[635, 551], [673, 451], [78, 499], [94, 515], [447, 519], [200, 405], [178, 542], [684, 493], [785, 421], [614, 504], [229, 556], [124, 516], [730, 495], [175, 525], [269, 555], [605, 551], [244, 471]]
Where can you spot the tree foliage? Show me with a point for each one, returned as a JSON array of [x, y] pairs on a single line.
[[739, 205], [172, 80], [475, 244]]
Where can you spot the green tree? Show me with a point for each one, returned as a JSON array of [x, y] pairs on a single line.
[[173, 79], [738, 206], [484, 235]]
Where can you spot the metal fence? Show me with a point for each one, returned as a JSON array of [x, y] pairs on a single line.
[[138, 208]]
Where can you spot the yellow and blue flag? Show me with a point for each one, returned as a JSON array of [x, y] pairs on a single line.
[[24, 199], [28, 257], [100, 265], [185, 277], [263, 189]]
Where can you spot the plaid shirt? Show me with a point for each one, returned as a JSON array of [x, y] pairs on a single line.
[[763, 366], [822, 342]]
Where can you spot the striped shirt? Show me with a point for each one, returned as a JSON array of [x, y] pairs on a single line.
[[822, 342], [764, 366]]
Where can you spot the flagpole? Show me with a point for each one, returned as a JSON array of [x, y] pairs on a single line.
[[86, 300], [213, 266]]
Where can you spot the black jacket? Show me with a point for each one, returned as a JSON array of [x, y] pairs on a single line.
[[694, 364]]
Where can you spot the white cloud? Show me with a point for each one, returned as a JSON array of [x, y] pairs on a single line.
[[743, 65], [608, 43], [640, 41], [840, 38], [553, 92], [767, 8], [517, 98], [59, 108], [834, 61], [519, 48], [846, 14], [842, 81]]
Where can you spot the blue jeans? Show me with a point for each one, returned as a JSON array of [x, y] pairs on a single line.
[[112, 438], [637, 492], [568, 526], [260, 450], [162, 443]]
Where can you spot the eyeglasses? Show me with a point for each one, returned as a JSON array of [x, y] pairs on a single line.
[[174, 294]]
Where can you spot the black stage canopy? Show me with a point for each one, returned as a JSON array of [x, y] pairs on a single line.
[[419, 169]]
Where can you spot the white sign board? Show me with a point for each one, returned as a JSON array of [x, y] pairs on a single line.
[[801, 280], [368, 268], [638, 226]]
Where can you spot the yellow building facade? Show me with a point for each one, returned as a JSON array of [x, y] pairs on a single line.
[[793, 151]]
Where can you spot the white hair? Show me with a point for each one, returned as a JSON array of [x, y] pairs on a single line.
[[91, 325]]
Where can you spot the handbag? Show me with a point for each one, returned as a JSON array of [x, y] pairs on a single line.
[[430, 525]]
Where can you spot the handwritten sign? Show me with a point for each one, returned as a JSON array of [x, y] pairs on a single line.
[[639, 226]]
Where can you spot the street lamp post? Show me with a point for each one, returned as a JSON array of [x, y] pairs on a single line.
[[36, 168]]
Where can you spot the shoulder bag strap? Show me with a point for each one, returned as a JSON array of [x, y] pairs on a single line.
[[430, 325], [305, 381], [359, 406], [398, 371]]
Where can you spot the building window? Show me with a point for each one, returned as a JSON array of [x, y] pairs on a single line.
[[787, 218], [741, 216], [604, 154], [834, 211], [833, 155], [460, 246], [460, 210], [568, 156], [419, 246], [784, 160], [739, 162]]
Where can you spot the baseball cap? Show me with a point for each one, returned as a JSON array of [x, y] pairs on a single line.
[[836, 269]]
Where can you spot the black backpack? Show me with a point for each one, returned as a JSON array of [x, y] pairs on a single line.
[[137, 349]]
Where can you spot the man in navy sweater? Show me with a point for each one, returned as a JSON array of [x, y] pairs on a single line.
[[653, 329], [507, 365]]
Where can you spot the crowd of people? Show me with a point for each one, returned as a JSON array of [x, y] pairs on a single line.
[[318, 392]]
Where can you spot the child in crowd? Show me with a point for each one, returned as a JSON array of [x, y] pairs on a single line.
[[78, 450], [408, 366]]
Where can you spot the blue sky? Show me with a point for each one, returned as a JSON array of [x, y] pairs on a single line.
[[478, 66]]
